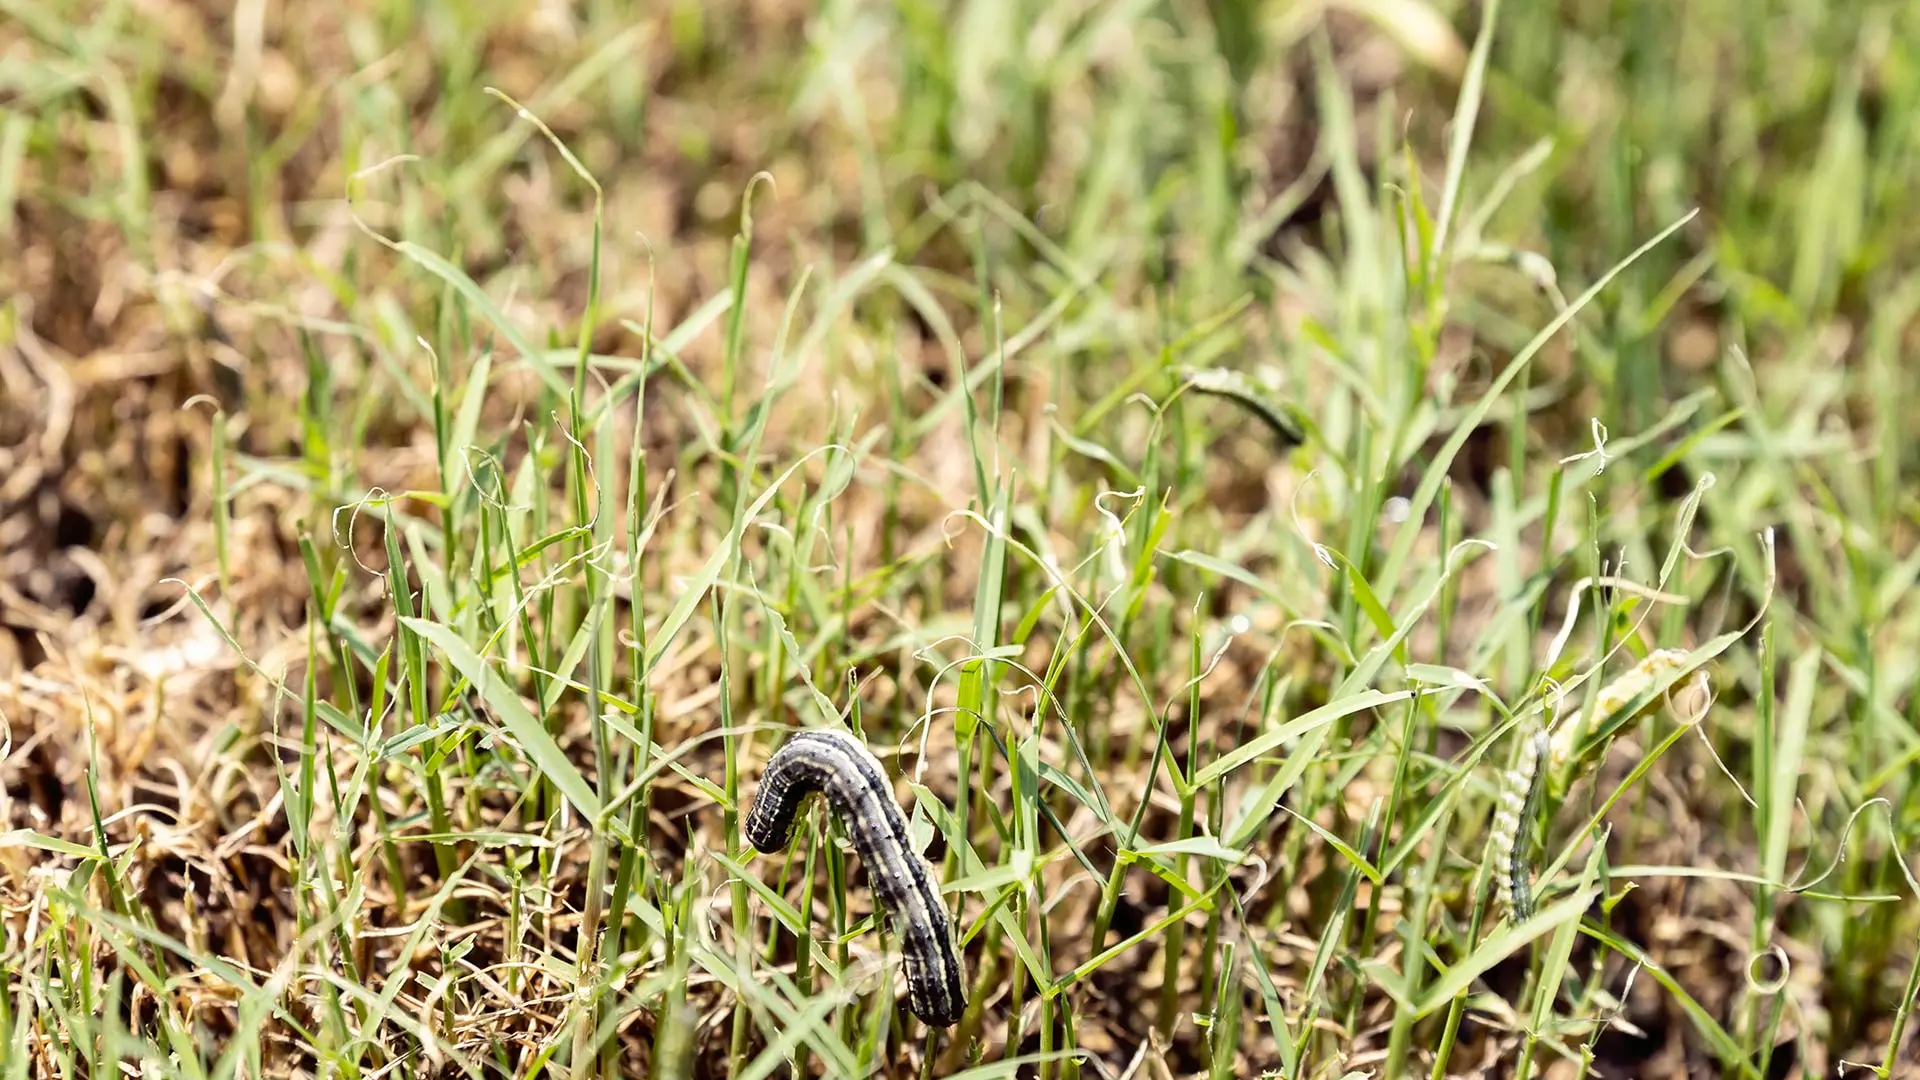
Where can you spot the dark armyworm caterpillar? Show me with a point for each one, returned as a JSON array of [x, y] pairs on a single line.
[[1519, 802], [838, 766]]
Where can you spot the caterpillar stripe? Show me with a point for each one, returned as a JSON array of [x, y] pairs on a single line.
[[838, 766], [1518, 802]]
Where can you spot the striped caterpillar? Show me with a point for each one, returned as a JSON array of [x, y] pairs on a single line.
[[1243, 391], [838, 766], [1522, 787], [1519, 802], [1613, 697]]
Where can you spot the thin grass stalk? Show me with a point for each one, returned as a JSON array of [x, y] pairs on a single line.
[[632, 874], [1168, 1016], [1764, 739], [414, 676], [742, 923], [222, 511], [1896, 1036]]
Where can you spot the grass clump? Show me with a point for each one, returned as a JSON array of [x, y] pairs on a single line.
[[1201, 450]]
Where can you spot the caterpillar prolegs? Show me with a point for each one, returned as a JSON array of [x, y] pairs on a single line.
[[840, 767]]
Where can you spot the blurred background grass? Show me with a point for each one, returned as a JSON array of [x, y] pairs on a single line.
[[223, 335]]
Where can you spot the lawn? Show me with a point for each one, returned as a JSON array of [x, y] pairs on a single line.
[[1364, 538]]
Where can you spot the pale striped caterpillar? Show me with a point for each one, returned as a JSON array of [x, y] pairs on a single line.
[[1613, 697], [1517, 804], [839, 766]]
